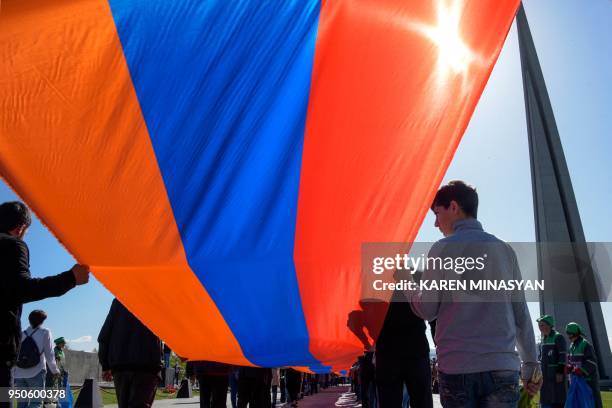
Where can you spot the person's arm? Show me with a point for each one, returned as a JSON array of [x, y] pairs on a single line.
[[19, 284], [426, 304], [561, 353], [589, 362], [524, 333], [355, 324], [525, 338], [49, 354], [104, 337]]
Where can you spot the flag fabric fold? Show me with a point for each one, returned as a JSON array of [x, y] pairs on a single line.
[[219, 164]]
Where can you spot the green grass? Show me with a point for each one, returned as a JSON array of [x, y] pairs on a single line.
[[606, 398]]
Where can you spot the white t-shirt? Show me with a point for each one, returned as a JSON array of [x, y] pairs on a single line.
[[42, 338]]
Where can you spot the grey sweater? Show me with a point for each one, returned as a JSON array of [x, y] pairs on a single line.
[[472, 335]]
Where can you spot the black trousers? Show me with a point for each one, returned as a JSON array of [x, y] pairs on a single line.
[[366, 380], [283, 389], [294, 384], [213, 390], [252, 392], [135, 389], [393, 373], [274, 391]]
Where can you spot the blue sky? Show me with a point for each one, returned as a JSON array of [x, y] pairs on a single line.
[[573, 42]]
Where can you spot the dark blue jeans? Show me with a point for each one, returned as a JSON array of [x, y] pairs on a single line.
[[489, 389]]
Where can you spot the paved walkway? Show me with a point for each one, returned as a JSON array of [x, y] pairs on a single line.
[[326, 398], [330, 397]]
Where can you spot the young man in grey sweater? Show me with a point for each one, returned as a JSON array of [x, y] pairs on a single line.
[[477, 332]]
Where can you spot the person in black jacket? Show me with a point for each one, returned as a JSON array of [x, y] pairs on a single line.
[[17, 285], [402, 357], [131, 356]]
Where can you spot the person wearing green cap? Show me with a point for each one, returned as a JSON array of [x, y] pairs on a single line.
[[553, 357], [582, 361], [60, 358], [56, 381]]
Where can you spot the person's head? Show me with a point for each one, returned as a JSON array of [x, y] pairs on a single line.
[[15, 218], [545, 324], [453, 202], [60, 342], [573, 331], [36, 318]]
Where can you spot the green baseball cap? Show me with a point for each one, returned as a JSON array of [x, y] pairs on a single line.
[[59, 340], [573, 328], [548, 319]]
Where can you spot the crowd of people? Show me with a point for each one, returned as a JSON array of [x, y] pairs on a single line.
[[253, 386], [558, 363], [133, 357], [476, 347], [19, 287], [40, 364], [476, 343]]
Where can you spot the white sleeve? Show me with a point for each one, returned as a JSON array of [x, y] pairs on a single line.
[[49, 354]]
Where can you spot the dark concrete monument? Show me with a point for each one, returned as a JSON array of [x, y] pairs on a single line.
[[571, 291]]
